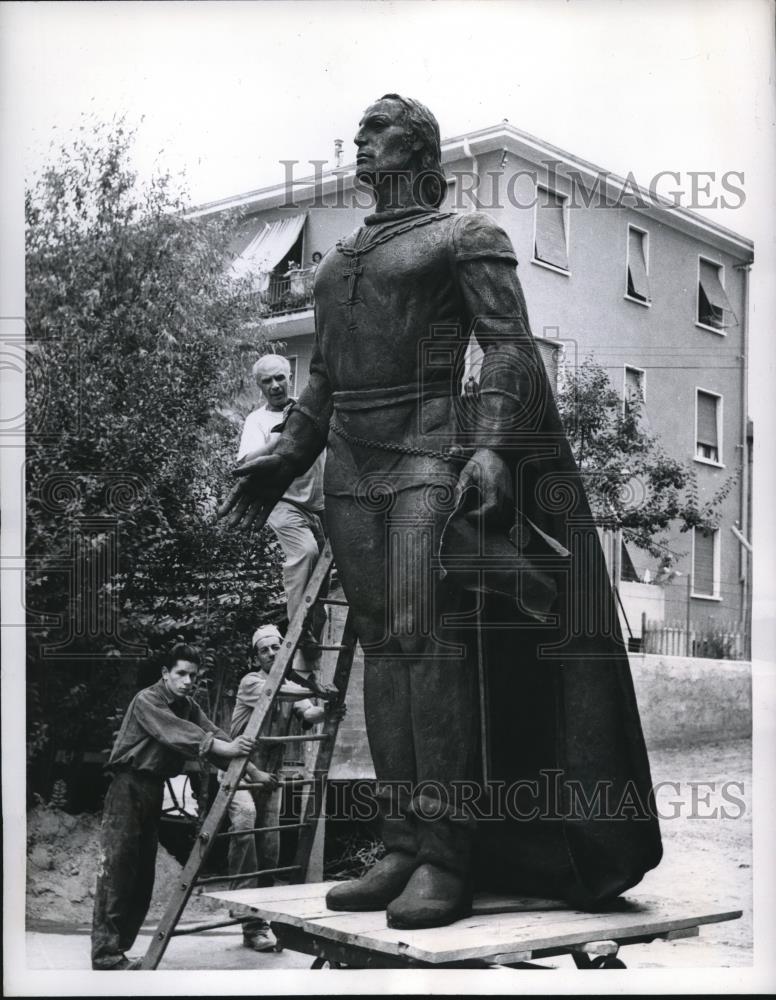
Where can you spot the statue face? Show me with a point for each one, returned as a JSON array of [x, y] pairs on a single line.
[[382, 141]]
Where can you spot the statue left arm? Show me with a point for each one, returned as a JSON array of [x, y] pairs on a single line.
[[513, 387]]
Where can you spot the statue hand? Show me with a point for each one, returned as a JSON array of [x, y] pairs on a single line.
[[488, 473], [243, 506], [263, 481], [266, 468]]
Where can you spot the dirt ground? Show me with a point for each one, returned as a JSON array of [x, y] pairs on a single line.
[[704, 798], [62, 856]]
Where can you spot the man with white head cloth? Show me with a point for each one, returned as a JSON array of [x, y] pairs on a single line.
[[249, 809], [296, 518]]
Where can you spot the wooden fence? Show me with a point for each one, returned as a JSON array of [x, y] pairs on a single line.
[[714, 640]]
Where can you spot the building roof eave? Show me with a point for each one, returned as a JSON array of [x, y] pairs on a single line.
[[649, 203], [507, 137]]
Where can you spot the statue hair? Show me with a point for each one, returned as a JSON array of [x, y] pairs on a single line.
[[422, 125]]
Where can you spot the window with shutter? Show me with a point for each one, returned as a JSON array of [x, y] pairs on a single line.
[[714, 307], [634, 385], [707, 426], [704, 563], [551, 245], [638, 283]]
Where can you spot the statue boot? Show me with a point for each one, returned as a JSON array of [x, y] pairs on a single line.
[[440, 889], [387, 877]]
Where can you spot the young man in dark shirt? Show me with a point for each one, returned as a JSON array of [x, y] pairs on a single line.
[[163, 727]]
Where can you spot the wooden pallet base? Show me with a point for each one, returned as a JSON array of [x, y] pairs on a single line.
[[503, 931]]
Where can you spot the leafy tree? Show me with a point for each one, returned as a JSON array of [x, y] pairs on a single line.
[[136, 335], [632, 483]]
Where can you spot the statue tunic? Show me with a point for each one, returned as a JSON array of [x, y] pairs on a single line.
[[394, 304]]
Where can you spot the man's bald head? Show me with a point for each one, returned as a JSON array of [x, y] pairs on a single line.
[[273, 376], [271, 364]]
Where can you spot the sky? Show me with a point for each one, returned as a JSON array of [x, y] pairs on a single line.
[[226, 90]]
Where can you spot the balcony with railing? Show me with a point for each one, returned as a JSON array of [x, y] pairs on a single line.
[[288, 293]]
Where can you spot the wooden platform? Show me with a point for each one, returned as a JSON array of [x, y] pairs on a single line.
[[501, 931]]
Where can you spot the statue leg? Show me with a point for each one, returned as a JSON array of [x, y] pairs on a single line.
[[357, 537], [445, 735], [444, 718], [420, 700]]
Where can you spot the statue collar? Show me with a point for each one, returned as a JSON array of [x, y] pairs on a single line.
[[395, 214]]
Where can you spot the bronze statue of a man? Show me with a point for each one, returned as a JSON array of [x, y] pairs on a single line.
[[499, 705]]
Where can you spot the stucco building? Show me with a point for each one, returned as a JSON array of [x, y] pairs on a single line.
[[654, 292]]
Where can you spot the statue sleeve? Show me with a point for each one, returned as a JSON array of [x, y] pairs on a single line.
[[514, 390], [306, 428]]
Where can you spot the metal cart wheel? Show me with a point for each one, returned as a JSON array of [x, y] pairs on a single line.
[[607, 962], [325, 963]]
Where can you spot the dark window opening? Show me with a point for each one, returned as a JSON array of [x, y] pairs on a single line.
[[638, 282], [703, 581], [714, 309], [707, 427], [709, 314]]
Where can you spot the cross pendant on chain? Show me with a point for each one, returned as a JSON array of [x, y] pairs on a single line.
[[352, 272]]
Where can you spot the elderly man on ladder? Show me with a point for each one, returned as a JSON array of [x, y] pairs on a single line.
[[296, 517]]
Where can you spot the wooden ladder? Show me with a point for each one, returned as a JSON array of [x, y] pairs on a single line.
[[232, 781]]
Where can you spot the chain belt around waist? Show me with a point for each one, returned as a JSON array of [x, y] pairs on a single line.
[[454, 453]]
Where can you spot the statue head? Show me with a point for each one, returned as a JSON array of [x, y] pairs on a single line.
[[400, 136]]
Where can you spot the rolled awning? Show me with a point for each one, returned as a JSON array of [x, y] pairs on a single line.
[[708, 276], [637, 265], [268, 247]]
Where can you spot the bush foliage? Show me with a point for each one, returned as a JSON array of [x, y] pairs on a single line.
[[137, 342], [632, 484]]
